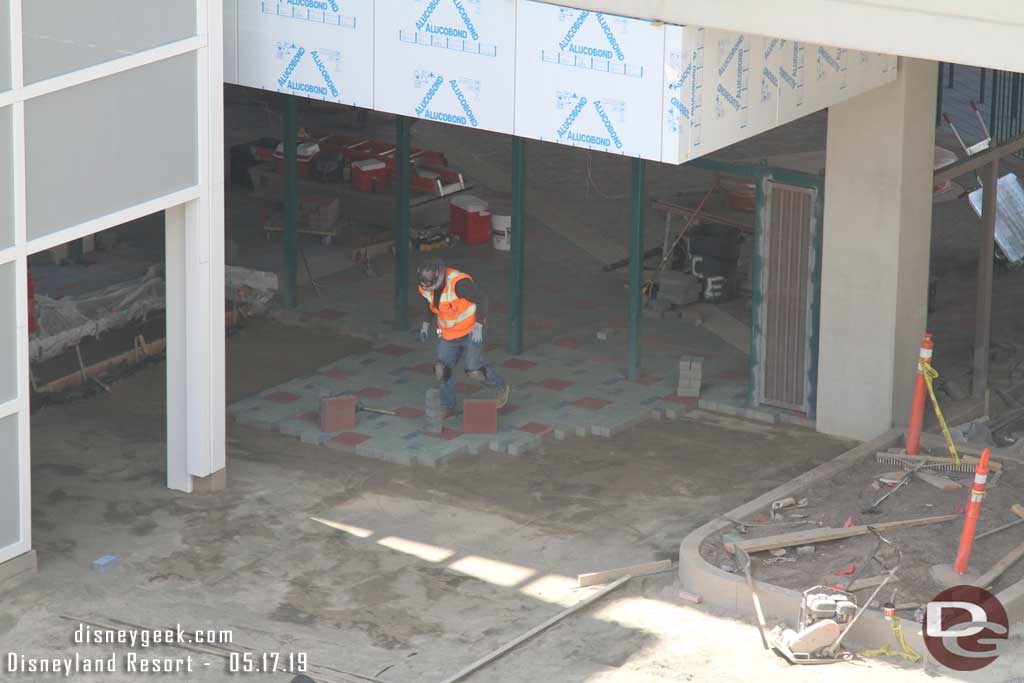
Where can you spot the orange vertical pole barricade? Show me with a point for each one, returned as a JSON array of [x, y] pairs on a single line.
[[920, 391], [963, 553]]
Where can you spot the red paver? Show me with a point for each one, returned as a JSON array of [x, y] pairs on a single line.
[[536, 428], [685, 400], [338, 413], [555, 384], [423, 368], [518, 364], [479, 416], [282, 397], [568, 343], [371, 392], [409, 412], [447, 435], [393, 350], [646, 380], [350, 438], [337, 374], [591, 403]]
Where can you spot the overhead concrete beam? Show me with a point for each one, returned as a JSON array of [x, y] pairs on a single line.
[[982, 33]]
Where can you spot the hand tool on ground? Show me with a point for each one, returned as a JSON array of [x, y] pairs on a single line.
[[744, 559], [1018, 510], [873, 508], [380, 411]]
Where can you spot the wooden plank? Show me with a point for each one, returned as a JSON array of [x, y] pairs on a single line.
[[988, 578], [595, 578], [483, 661], [690, 597], [939, 481], [811, 536]]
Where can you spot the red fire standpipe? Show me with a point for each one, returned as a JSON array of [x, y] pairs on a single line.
[[963, 553], [920, 391]]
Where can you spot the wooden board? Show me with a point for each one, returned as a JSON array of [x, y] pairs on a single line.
[[988, 578], [812, 536], [594, 578]]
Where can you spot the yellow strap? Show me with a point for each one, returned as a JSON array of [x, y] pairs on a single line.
[[931, 373], [886, 651]]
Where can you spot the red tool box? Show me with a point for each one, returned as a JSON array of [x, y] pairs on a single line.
[[470, 219], [369, 175]]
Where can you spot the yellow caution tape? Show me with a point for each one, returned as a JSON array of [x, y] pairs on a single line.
[[930, 374], [907, 652]]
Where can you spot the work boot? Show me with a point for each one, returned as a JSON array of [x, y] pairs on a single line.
[[504, 395]]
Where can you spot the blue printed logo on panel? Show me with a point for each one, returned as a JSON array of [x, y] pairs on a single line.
[[591, 42], [791, 70], [685, 92], [590, 123], [733, 77], [457, 93], [307, 72], [317, 11], [832, 62], [449, 24]]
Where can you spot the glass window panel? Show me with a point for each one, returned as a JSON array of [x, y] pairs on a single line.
[[6, 179], [8, 335], [5, 45], [110, 144], [61, 36], [10, 507]]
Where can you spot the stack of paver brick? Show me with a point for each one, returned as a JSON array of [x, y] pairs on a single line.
[[691, 369], [435, 413]]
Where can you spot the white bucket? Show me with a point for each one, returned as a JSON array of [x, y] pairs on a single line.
[[501, 232]]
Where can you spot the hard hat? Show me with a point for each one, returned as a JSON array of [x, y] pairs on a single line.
[[430, 274]]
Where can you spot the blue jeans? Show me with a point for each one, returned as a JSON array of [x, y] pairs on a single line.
[[449, 351]]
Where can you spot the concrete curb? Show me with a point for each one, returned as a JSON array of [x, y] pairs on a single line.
[[729, 591]]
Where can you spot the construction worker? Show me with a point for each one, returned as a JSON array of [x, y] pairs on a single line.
[[457, 307]]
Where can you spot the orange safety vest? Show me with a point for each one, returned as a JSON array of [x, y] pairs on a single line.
[[455, 316]]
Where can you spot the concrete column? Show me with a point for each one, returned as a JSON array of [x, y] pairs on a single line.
[[195, 350], [877, 238]]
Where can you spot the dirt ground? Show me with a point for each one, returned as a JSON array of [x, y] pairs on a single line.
[[832, 502]]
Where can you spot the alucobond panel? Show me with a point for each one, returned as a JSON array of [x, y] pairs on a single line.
[[10, 483], [110, 144], [6, 179], [452, 61], [64, 36], [312, 48], [5, 45]]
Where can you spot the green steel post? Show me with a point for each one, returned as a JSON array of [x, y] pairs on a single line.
[[515, 314], [636, 268], [291, 204], [402, 223]]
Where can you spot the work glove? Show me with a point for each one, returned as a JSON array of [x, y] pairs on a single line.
[[424, 333], [477, 335]]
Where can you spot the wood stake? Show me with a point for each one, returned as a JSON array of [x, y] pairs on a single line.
[[812, 536], [595, 578]]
